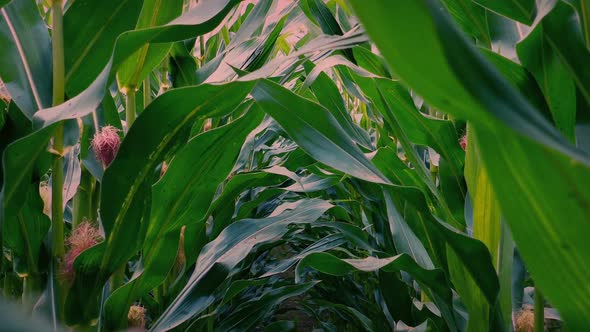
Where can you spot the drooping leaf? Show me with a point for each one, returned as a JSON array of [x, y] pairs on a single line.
[[219, 257], [528, 145], [19, 162], [90, 31], [328, 96], [404, 239], [519, 10], [486, 226], [315, 130], [25, 56], [553, 78], [186, 204], [123, 184], [471, 17], [408, 125], [143, 61], [182, 66], [435, 79], [24, 232]]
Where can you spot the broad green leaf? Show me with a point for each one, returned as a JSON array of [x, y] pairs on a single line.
[[219, 257], [23, 234], [263, 51], [562, 21], [408, 125], [485, 224], [242, 58], [487, 227], [466, 260], [543, 214], [315, 130], [123, 191], [388, 162], [472, 18], [371, 61], [520, 79], [327, 22], [19, 161], [222, 209], [404, 239], [201, 19], [505, 267], [90, 31], [284, 66], [486, 210], [254, 22], [327, 93], [323, 17], [83, 104], [144, 60], [521, 147], [25, 56], [199, 167], [553, 78], [471, 296], [473, 98], [519, 10], [182, 66], [16, 126]]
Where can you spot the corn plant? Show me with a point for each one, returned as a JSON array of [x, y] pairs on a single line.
[[227, 165]]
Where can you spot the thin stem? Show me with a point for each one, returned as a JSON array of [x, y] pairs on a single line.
[[83, 199], [539, 310], [130, 108], [202, 50], [57, 176], [147, 92], [57, 213], [58, 98], [433, 171], [58, 53]]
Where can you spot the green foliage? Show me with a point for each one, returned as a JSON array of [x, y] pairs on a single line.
[[298, 166]]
